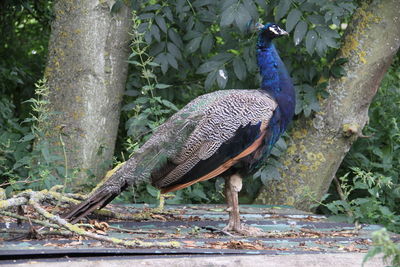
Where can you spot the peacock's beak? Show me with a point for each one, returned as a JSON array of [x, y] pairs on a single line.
[[280, 31], [283, 32]]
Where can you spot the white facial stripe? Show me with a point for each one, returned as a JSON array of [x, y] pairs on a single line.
[[272, 29]]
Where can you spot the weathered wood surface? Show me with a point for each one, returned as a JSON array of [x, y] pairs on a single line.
[[196, 227]]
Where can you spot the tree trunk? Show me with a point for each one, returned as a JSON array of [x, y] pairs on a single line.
[[86, 73], [318, 145]]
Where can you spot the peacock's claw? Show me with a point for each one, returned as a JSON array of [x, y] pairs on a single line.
[[244, 230]]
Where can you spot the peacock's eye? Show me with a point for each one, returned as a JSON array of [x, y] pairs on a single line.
[[274, 30]]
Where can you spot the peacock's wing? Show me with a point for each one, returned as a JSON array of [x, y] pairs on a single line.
[[205, 138], [168, 140], [230, 128]]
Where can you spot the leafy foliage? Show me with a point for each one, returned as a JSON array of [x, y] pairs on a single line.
[[383, 244], [208, 38], [24, 31], [365, 199], [11, 132], [31, 153]]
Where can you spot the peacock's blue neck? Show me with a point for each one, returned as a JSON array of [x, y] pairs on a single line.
[[276, 80], [267, 60]]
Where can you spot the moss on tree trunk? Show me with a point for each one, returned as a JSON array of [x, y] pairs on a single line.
[[86, 73], [318, 145]]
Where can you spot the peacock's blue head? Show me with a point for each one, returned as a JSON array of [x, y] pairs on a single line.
[[268, 32]]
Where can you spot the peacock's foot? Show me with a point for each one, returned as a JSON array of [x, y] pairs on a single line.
[[244, 230]]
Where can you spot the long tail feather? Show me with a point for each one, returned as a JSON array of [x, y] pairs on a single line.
[[114, 184], [97, 201]]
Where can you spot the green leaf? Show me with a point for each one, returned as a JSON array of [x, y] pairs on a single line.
[[117, 6], [134, 62], [27, 138], [147, 37], [45, 152], [172, 61], [200, 3], [23, 161], [162, 86], [242, 18], [330, 42], [222, 78], [193, 45], [197, 193], [228, 16], [341, 61], [28, 119], [316, 19], [320, 47], [300, 32], [153, 64], [157, 49], [174, 50], [210, 80], [307, 111], [348, 6], [333, 207], [152, 7], [281, 144], [338, 71], [239, 68], [132, 93], [161, 23], [282, 9], [208, 66], [146, 16], [311, 40], [292, 19], [155, 32], [168, 13], [146, 87], [169, 105], [263, 4], [152, 191], [207, 44], [175, 38], [191, 35], [251, 8], [163, 61], [324, 197], [269, 173], [128, 107]]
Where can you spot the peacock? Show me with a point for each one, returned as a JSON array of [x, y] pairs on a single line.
[[225, 133]]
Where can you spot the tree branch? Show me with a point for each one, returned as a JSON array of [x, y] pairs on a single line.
[[33, 198]]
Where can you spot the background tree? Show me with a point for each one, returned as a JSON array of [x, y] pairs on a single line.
[[319, 144], [86, 74]]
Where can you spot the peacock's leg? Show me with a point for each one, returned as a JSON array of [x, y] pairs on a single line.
[[233, 185]]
